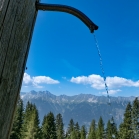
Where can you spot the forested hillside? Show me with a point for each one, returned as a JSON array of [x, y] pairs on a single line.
[[27, 125]]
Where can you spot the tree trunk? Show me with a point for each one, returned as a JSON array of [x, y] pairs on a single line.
[[17, 18]]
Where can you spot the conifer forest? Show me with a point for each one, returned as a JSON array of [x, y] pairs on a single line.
[[27, 125]]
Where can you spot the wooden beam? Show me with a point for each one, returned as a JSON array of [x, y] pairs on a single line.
[[17, 18]]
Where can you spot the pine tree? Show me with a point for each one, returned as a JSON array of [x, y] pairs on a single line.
[[135, 117], [70, 127], [111, 130], [59, 127], [92, 130], [83, 132], [49, 127], [77, 130], [121, 129], [31, 129], [73, 135], [36, 129], [18, 121], [26, 120], [126, 131], [100, 129]]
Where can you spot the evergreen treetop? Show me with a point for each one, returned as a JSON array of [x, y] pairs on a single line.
[[126, 131], [18, 121], [100, 129], [135, 117], [83, 132], [31, 122], [92, 130], [59, 127], [49, 127], [111, 130]]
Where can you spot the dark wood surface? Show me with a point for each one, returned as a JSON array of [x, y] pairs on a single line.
[[17, 18]]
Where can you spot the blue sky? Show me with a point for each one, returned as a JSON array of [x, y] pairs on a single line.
[[63, 58]]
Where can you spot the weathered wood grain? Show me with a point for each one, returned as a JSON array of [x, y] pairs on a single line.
[[17, 18]]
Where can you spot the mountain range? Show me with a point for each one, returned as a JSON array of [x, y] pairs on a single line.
[[81, 108]]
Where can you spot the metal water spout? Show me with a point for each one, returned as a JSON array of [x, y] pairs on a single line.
[[70, 10]]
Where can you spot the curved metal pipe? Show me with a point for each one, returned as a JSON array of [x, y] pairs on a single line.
[[68, 9]]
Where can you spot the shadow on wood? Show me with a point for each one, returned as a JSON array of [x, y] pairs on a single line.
[[17, 18]]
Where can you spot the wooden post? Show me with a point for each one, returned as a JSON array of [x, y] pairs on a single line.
[[17, 18]]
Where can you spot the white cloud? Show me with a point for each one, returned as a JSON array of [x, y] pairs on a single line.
[[111, 92], [44, 79], [37, 80], [27, 79], [96, 81], [120, 82]]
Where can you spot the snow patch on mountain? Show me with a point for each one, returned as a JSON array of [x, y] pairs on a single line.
[[92, 100]]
